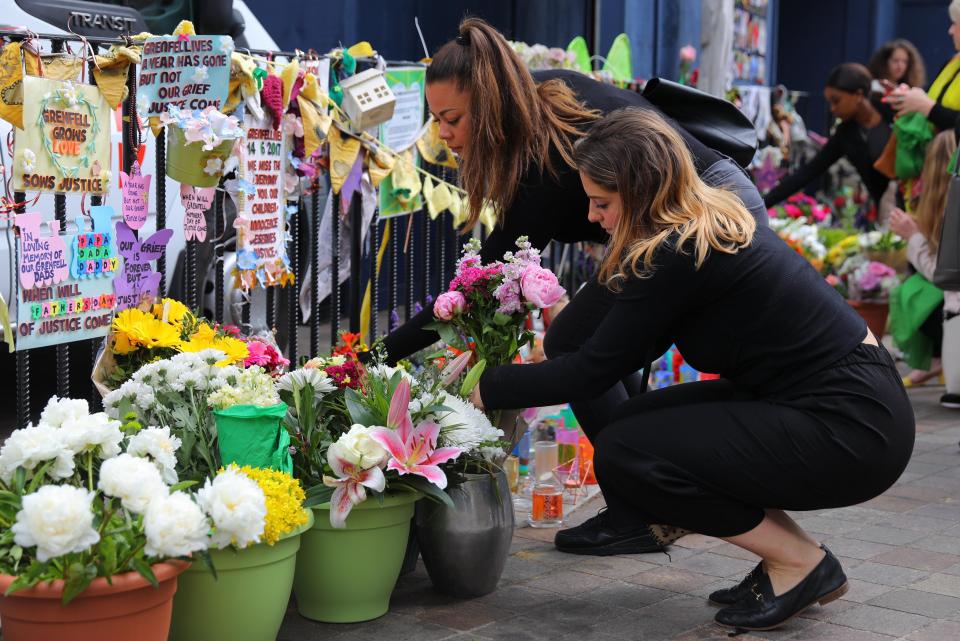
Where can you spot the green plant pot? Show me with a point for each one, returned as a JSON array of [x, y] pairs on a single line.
[[347, 575], [247, 600], [186, 161]]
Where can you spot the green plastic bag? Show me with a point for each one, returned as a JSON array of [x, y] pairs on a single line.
[[254, 436], [913, 133], [910, 305]]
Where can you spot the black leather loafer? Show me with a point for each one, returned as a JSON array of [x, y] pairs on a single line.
[[762, 610], [598, 537], [729, 596]]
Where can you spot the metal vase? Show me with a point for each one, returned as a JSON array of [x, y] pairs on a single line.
[[465, 548]]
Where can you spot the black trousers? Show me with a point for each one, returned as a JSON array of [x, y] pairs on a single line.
[[710, 458]]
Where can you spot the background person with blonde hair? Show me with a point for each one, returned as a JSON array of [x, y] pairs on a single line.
[[923, 239], [810, 412]]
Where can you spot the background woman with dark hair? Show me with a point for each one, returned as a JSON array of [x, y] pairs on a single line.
[[514, 134], [898, 61], [860, 137]]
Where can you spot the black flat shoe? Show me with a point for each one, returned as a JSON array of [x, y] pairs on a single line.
[[729, 596], [762, 610], [597, 536]]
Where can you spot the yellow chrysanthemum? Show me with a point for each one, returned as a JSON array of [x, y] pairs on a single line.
[[160, 334], [175, 310], [128, 331], [285, 498], [235, 350], [203, 338]]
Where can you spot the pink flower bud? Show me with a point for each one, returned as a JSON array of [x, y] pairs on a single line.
[[448, 305]]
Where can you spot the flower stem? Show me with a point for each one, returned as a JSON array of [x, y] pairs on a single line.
[[90, 470]]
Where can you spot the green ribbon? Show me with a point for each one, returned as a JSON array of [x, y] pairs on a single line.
[[259, 74]]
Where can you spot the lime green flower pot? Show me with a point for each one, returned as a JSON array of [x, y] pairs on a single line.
[[247, 600], [347, 575], [186, 162]]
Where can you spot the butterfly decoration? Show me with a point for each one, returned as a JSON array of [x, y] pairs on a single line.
[[137, 278]]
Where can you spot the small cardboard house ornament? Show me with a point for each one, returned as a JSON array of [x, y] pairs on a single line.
[[367, 99]]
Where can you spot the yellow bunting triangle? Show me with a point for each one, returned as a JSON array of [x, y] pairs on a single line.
[[434, 149], [11, 85], [242, 83], [316, 125], [62, 69], [406, 183], [289, 77], [379, 165], [488, 216], [457, 209], [362, 49], [428, 197], [343, 153], [438, 200], [110, 72], [310, 89], [5, 321], [185, 28]]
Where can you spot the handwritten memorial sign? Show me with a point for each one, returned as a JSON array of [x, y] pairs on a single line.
[[262, 216], [137, 278], [189, 72], [196, 201], [43, 259], [78, 306], [64, 146], [136, 193]]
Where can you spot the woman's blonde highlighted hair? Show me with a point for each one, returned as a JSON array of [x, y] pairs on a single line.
[[635, 153], [936, 183], [514, 122]]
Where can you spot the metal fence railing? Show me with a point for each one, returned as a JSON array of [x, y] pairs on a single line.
[[418, 262]]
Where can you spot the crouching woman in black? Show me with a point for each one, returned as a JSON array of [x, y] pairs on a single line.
[[809, 414]]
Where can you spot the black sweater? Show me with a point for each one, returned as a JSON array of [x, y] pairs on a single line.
[[762, 318], [546, 207], [861, 146]]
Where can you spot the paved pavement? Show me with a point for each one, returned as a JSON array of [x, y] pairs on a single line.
[[901, 552]]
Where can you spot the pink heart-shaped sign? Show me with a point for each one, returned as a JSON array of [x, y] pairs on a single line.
[[195, 203]]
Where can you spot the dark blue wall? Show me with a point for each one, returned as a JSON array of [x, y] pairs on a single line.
[[816, 35], [389, 26]]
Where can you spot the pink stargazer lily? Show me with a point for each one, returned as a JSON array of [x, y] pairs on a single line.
[[350, 487], [413, 450]]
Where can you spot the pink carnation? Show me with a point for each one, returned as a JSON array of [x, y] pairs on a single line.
[[793, 211], [540, 287], [448, 305]]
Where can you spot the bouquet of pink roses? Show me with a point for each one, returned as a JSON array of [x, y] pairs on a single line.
[[486, 305]]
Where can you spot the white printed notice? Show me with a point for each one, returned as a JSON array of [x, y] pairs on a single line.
[[400, 132], [261, 223]]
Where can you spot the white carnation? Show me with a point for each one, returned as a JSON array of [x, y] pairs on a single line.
[[386, 372], [135, 481], [96, 432], [299, 379], [175, 526], [464, 426], [32, 446], [57, 519], [358, 448], [237, 506], [158, 444], [59, 410]]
